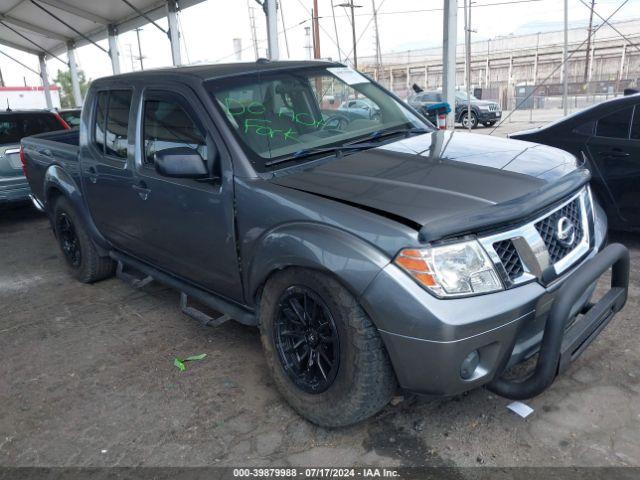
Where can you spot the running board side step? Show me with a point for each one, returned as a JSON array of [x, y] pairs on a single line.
[[132, 280], [205, 319], [227, 308]]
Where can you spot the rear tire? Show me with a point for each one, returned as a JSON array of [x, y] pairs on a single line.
[[80, 254], [360, 380]]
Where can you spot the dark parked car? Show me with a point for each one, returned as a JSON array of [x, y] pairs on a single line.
[[607, 137], [483, 112], [370, 255], [71, 116], [14, 125]]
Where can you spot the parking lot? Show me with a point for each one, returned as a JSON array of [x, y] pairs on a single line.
[[88, 380]]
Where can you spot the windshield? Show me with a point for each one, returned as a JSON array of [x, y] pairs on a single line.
[[288, 116]]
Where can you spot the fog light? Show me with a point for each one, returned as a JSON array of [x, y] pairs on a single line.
[[469, 365]]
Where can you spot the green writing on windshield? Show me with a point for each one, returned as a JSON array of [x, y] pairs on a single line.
[[263, 127], [236, 108]]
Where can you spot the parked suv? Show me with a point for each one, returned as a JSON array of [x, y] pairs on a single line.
[[483, 112], [14, 125], [372, 254]]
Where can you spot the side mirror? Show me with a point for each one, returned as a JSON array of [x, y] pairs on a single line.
[[180, 162]]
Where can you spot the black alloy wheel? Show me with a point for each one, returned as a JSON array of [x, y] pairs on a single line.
[[68, 239], [306, 339]]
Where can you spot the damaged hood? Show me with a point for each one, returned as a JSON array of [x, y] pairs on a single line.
[[435, 176]]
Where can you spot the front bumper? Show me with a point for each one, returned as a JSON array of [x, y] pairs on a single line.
[[428, 339], [488, 116]]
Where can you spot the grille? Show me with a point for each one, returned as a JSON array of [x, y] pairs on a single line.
[[509, 257], [493, 107], [547, 230]]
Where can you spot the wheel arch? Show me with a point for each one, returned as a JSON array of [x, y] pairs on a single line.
[[58, 183], [351, 261]]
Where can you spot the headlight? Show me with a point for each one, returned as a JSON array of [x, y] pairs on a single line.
[[455, 270], [484, 107]]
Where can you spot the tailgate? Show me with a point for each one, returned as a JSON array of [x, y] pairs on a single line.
[[10, 164]]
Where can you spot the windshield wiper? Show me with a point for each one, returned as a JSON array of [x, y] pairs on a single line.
[[390, 132], [305, 152]]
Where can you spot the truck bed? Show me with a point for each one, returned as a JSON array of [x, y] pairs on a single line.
[[46, 149]]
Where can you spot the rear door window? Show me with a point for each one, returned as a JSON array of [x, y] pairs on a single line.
[[112, 122], [101, 116], [117, 124], [635, 127], [15, 126], [615, 125]]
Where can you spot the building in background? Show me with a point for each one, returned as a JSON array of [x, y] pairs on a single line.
[[20, 98], [507, 68]]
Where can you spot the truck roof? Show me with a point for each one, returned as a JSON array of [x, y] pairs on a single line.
[[221, 70]]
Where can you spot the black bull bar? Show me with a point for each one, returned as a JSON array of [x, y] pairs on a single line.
[[560, 346]]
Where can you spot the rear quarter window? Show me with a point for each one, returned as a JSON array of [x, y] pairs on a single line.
[[615, 125], [15, 126]]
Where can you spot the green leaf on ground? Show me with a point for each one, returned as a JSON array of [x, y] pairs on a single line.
[[195, 358], [178, 363]]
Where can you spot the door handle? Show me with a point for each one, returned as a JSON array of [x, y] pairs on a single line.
[[92, 174], [614, 152], [142, 189]]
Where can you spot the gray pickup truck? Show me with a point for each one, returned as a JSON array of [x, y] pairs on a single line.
[[370, 252]]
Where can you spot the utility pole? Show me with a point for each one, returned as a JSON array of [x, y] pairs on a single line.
[[252, 25], [316, 31], [284, 29], [587, 58], [565, 59], [377, 32], [353, 30], [308, 47], [335, 27], [133, 67], [139, 48]]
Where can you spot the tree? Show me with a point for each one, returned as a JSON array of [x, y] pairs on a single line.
[[63, 80]]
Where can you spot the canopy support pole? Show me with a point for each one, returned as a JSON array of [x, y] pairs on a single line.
[[272, 29], [449, 41], [45, 80], [114, 54], [73, 70], [174, 32]]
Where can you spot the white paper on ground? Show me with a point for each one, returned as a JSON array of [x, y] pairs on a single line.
[[348, 76], [520, 408]]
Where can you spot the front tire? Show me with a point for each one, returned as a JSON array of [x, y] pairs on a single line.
[[326, 357], [80, 254], [465, 121]]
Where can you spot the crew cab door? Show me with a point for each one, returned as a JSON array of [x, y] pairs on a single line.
[[106, 173], [186, 225], [615, 148]]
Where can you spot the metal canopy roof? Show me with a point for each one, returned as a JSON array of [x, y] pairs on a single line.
[[46, 26]]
